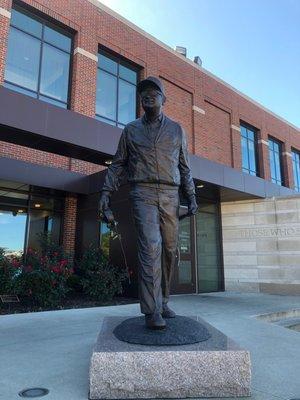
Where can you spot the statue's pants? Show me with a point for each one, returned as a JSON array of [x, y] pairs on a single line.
[[155, 210]]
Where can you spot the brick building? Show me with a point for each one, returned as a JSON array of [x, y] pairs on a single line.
[[68, 75]]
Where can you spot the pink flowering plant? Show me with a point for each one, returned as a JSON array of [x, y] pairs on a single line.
[[43, 275]]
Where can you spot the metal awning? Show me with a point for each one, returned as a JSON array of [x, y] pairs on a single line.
[[39, 125]]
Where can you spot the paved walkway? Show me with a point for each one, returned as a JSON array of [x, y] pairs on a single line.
[[53, 349]]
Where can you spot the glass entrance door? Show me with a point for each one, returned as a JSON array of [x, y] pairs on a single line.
[[200, 267], [209, 253], [184, 279]]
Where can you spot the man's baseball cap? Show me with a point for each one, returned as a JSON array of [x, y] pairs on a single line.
[[151, 81]]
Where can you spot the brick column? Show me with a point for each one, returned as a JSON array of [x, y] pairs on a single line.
[[5, 14], [200, 145], [84, 79], [288, 177], [69, 223], [235, 132], [263, 154]]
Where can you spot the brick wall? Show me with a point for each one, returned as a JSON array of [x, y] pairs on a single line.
[[188, 85], [179, 102], [207, 108], [216, 135]]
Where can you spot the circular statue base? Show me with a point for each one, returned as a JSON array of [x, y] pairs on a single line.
[[179, 330]]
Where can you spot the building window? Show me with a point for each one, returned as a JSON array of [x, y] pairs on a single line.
[[275, 162], [296, 169], [104, 238], [249, 150], [25, 213], [38, 59], [116, 91]]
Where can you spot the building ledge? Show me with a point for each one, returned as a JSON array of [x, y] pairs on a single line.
[[38, 125]]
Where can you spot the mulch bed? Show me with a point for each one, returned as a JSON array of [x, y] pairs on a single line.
[[71, 302]]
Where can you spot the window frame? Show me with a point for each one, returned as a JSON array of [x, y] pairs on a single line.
[[274, 140], [120, 61], [57, 26], [255, 141]]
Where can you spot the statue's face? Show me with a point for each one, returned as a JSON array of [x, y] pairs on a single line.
[[152, 99]]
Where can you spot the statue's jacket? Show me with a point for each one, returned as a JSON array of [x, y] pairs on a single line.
[[163, 159]]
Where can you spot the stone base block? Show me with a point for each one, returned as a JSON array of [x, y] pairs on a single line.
[[216, 367]]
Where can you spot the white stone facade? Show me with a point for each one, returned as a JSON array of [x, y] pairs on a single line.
[[261, 245]]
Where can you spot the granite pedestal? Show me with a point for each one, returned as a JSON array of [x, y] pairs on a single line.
[[216, 367]]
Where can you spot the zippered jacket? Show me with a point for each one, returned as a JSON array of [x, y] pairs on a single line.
[[146, 160]]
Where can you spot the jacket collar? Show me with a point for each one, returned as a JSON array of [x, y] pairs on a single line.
[[161, 129], [159, 118]]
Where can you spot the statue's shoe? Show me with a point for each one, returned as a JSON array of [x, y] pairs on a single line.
[[167, 312], [155, 321]]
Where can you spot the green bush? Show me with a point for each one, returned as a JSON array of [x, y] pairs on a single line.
[[100, 279], [74, 284]]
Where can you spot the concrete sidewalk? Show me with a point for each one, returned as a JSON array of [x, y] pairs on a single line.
[[53, 349]]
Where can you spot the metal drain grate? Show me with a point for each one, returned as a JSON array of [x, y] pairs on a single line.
[[34, 392]]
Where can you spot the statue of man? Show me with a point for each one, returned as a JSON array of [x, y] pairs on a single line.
[[153, 152]]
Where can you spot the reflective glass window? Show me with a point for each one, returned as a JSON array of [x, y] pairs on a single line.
[[20, 89], [12, 230], [249, 145], [57, 39], [127, 102], [275, 162], [116, 91], [38, 59], [245, 160], [106, 103], [297, 187], [52, 101], [252, 162], [25, 215], [23, 58], [55, 73], [128, 74], [104, 238], [107, 64], [26, 23], [272, 165], [296, 169], [108, 121]]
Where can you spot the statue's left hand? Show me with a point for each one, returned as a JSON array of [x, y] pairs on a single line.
[[192, 206]]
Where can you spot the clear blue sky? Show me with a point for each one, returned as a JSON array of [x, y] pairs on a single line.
[[254, 45]]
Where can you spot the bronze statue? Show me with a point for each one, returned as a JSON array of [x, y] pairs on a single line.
[[153, 152]]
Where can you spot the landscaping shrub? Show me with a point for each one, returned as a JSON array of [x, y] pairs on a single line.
[[8, 270], [100, 279], [43, 275]]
